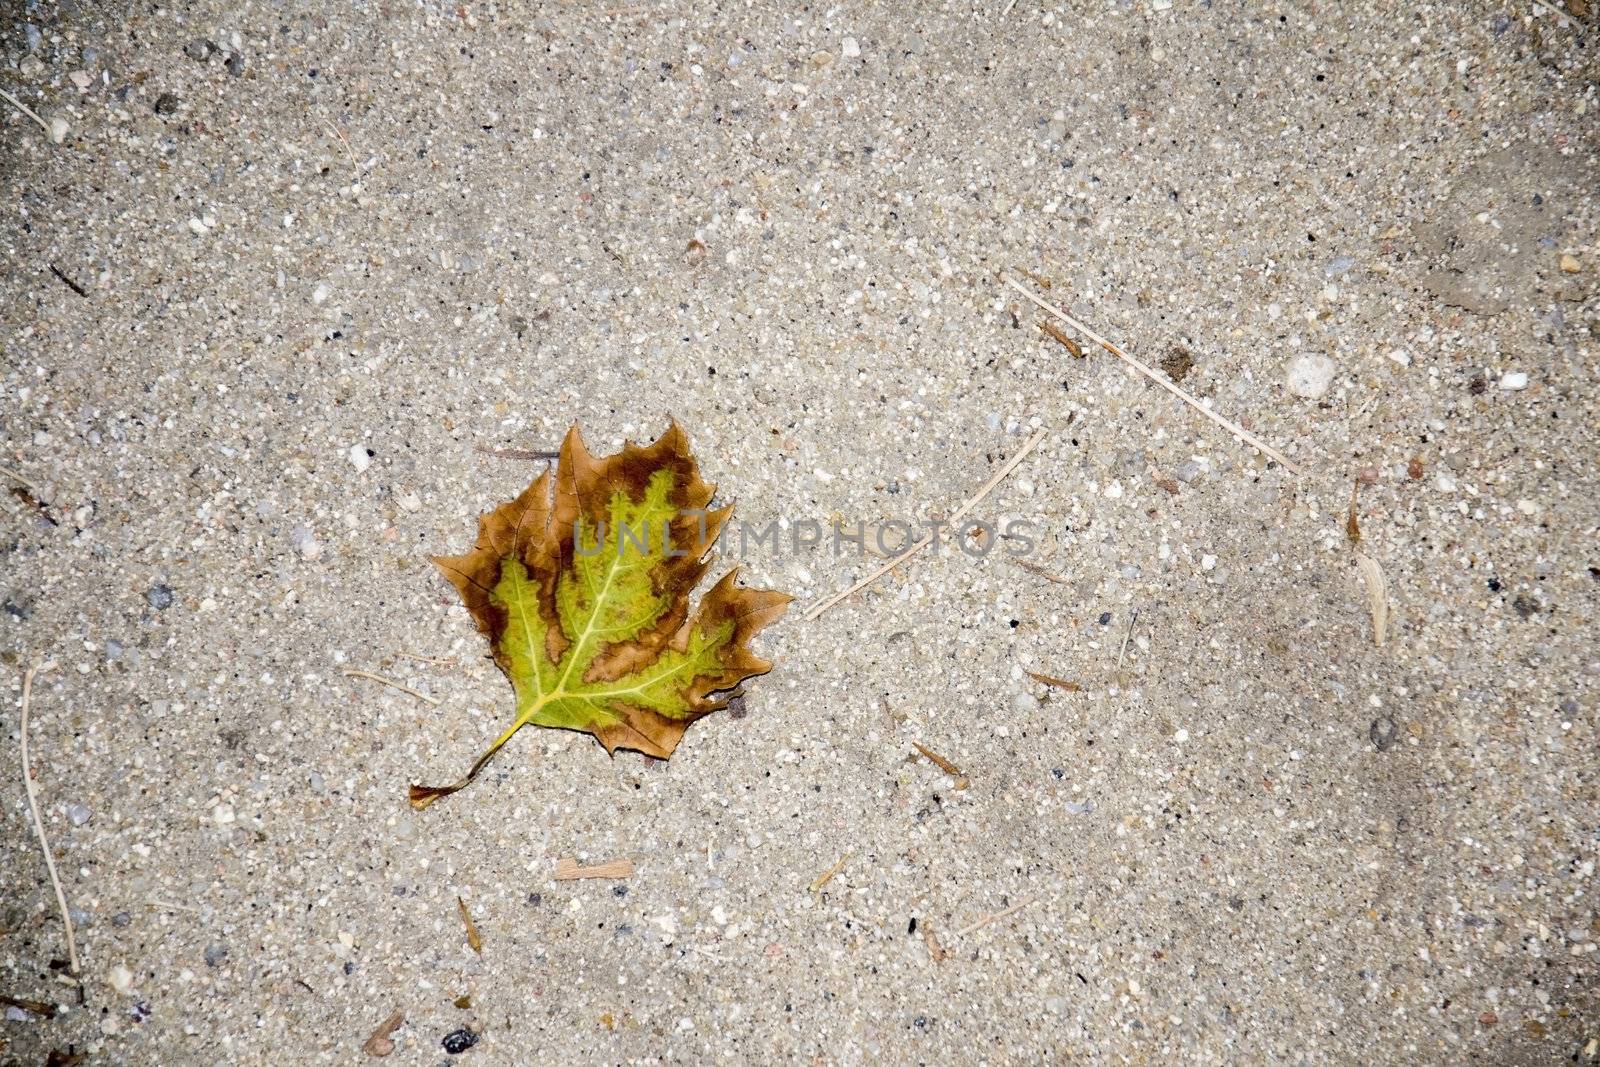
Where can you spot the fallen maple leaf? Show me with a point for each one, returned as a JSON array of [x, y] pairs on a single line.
[[582, 585]]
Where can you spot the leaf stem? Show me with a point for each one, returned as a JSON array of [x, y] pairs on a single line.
[[423, 795]]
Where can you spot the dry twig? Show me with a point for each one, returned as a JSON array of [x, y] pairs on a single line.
[[37, 1007], [1054, 682], [1232, 427], [996, 917], [516, 453], [961, 780], [28, 111], [1565, 17], [20, 480], [406, 689], [937, 760], [1062, 339], [436, 661], [38, 823]]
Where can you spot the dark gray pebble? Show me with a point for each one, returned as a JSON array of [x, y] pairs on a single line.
[[159, 597], [215, 954], [235, 65], [458, 1041], [166, 103], [1383, 733]]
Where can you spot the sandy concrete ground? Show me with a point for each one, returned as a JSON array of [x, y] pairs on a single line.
[[325, 256]]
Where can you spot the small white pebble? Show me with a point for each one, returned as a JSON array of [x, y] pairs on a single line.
[[121, 978], [1514, 380], [1310, 374], [409, 502], [57, 129], [1208, 562], [851, 48], [1446, 483], [321, 293], [1181, 736], [222, 814], [359, 458], [196, 226]]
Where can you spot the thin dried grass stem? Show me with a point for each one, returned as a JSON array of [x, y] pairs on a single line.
[[26, 110], [1565, 17], [954, 520], [1232, 427], [20, 480], [390, 682], [38, 822], [973, 927]]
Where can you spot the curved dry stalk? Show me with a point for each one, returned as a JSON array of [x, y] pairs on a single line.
[[38, 823]]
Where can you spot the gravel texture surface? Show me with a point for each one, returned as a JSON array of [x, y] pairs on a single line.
[[292, 266]]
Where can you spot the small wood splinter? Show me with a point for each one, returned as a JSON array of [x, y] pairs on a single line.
[[474, 939], [567, 869], [1055, 683], [943, 764], [1066, 342], [827, 876]]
